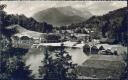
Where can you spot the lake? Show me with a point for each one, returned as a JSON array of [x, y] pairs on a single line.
[[35, 56]]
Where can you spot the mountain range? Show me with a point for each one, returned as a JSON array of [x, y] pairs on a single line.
[[60, 16]]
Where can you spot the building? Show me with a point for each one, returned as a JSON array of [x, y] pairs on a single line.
[[94, 50], [86, 49], [23, 41], [50, 38], [109, 41], [80, 37]]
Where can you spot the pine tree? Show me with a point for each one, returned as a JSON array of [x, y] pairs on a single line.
[[4, 58], [19, 71], [11, 67], [124, 30], [59, 68], [124, 75]]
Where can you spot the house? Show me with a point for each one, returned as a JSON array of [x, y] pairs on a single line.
[[109, 41], [108, 49], [86, 49], [70, 31], [86, 30], [94, 50], [106, 52], [102, 67], [101, 48], [72, 38], [22, 41], [26, 40], [82, 37], [37, 40], [50, 38]]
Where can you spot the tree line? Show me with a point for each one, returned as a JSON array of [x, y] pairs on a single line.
[[112, 25], [12, 65]]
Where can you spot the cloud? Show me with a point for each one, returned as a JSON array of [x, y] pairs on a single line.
[[31, 7]]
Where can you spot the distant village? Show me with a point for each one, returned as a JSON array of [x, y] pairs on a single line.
[[89, 44]]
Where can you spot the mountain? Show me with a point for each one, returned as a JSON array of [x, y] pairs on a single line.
[[112, 25], [59, 16], [23, 21]]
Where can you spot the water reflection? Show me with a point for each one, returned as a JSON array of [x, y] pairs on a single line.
[[35, 56]]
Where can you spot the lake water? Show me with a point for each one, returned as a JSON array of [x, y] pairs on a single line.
[[35, 56]]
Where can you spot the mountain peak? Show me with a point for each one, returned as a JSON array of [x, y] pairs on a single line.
[[59, 16]]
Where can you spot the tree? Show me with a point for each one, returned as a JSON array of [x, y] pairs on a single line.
[[2, 6], [12, 67], [58, 68], [124, 75], [105, 28], [124, 30], [18, 69], [23, 21]]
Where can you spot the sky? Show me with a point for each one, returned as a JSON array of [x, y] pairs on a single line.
[[29, 8]]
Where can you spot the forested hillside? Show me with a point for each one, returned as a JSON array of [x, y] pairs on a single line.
[[112, 25], [28, 23]]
